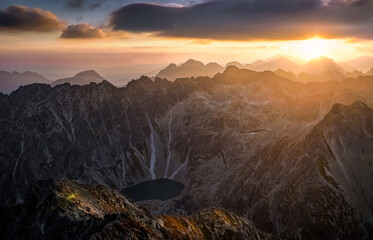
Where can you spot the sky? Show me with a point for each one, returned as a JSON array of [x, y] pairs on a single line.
[[117, 34]]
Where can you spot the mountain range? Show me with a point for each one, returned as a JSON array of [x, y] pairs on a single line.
[[190, 68], [292, 159], [10, 81], [316, 70], [362, 64], [370, 72], [274, 64]]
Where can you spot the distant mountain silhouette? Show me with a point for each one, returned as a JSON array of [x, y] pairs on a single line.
[[363, 63], [320, 65], [354, 74], [285, 74], [193, 68], [81, 78], [324, 77], [190, 68], [370, 72], [10, 81], [236, 64], [277, 63], [254, 64], [347, 67], [319, 69]]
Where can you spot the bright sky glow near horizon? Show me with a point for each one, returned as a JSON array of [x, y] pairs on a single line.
[[122, 33]]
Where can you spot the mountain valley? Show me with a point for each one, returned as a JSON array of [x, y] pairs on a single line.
[[295, 159]]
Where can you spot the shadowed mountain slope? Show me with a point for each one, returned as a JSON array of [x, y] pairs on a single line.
[[63, 209], [243, 141]]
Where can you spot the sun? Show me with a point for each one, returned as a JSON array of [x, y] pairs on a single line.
[[313, 48]]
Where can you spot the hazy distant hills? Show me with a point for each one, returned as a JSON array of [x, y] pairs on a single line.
[[355, 74], [370, 72], [321, 69], [193, 68], [320, 65], [363, 64], [236, 64], [81, 78], [190, 68], [275, 64], [285, 74], [10, 81], [316, 70]]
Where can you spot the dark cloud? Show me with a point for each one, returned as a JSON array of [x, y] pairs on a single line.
[[80, 4], [82, 30], [21, 18], [95, 5], [249, 20], [75, 3]]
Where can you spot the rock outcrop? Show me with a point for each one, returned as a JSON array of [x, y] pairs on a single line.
[[63, 209]]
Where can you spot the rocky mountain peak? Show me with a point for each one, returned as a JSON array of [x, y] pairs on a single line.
[[231, 69], [234, 63], [65, 209], [171, 66], [190, 68], [82, 78], [10, 81], [243, 141], [235, 72], [192, 63], [145, 80], [142, 82], [212, 64], [322, 64], [360, 105], [341, 109], [105, 85], [89, 74]]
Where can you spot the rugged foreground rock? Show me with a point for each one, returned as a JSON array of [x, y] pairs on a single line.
[[295, 159], [63, 209]]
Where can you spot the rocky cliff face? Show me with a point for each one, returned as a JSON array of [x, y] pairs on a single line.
[[261, 146], [319, 187], [63, 209]]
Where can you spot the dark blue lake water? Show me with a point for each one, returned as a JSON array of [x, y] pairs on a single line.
[[160, 189]]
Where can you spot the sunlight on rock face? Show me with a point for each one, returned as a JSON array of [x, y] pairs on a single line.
[[71, 197]]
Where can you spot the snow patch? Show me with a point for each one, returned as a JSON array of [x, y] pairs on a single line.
[[152, 148], [168, 144], [18, 158]]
